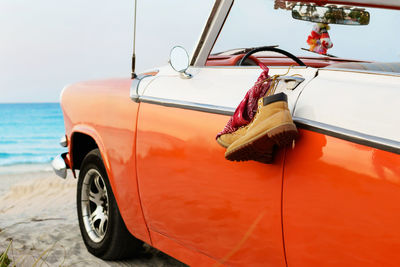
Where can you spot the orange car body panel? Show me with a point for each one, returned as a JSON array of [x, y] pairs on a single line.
[[181, 252], [341, 204], [104, 111], [228, 211]]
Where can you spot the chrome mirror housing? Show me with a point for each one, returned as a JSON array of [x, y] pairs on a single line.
[[179, 61]]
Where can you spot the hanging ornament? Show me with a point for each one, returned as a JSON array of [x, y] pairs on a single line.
[[319, 39]]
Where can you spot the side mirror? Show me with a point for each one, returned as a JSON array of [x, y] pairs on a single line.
[[179, 61]]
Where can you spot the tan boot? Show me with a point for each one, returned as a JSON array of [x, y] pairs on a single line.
[[271, 125], [226, 140]]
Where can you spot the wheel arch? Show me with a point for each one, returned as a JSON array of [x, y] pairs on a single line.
[[83, 140], [79, 134], [82, 145]]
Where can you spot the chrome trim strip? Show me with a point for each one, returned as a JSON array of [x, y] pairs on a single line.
[[334, 131], [349, 135], [187, 105], [376, 72], [134, 91]]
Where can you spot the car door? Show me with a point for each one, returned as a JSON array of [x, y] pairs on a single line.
[[191, 195], [341, 194]]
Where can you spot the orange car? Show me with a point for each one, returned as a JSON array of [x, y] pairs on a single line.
[[150, 169]]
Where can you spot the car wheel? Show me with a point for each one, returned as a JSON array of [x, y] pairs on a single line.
[[102, 227]]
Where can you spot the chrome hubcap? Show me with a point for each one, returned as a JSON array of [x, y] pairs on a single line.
[[95, 205]]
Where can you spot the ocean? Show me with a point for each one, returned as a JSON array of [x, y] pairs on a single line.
[[30, 133]]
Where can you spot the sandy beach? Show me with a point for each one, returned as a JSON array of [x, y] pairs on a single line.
[[38, 215]]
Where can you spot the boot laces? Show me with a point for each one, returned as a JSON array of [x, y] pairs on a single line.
[[240, 128]]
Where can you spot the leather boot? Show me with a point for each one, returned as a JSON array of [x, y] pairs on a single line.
[[226, 140], [272, 125]]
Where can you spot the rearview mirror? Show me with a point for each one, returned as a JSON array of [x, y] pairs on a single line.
[[331, 14]]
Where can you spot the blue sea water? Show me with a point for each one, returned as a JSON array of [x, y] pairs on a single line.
[[30, 133]]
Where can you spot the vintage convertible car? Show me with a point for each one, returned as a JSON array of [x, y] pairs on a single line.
[[150, 169]]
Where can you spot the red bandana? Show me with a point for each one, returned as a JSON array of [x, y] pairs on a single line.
[[247, 108]]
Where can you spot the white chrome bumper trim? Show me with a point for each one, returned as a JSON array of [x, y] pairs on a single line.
[[59, 166]]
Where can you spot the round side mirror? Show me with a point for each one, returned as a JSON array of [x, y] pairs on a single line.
[[179, 59]]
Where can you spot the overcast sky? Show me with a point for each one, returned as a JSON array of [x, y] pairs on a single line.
[[47, 44]]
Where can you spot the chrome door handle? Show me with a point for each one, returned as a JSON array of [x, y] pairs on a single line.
[[291, 81]]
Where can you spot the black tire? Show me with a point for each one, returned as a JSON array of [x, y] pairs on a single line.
[[105, 235]]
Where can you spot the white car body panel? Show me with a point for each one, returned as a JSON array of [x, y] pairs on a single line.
[[332, 97], [362, 102], [219, 86]]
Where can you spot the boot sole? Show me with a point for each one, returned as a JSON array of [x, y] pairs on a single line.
[[283, 135], [260, 148]]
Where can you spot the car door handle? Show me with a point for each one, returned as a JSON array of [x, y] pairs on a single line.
[[291, 81]]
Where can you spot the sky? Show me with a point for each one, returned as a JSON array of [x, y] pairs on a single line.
[[47, 44]]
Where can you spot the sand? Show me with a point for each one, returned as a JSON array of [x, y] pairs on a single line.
[[38, 217]]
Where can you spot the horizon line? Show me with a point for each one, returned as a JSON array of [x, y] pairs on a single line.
[[52, 102]]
